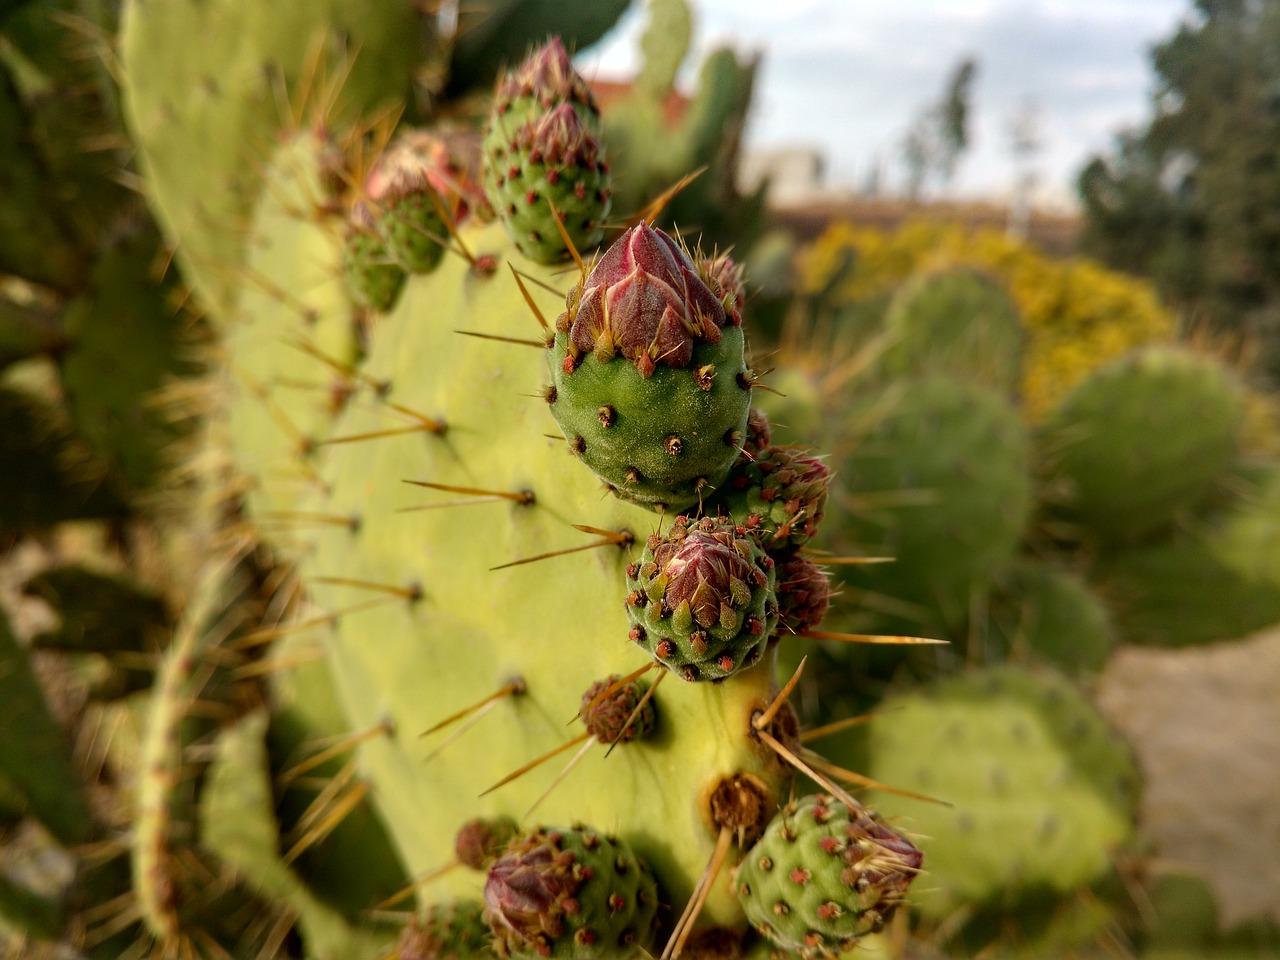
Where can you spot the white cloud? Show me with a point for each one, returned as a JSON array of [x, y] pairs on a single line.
[[851, 75]]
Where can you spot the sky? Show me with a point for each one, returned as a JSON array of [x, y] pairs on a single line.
[[849, 76]]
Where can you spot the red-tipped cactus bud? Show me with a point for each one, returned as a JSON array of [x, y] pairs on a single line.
[[547, 77], [481, 841], [705, 603], [644, 300], [606, 719], [780, 496], [804, 593], [645, 338], [555, 892]]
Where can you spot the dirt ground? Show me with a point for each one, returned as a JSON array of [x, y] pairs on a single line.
[[1205, 723]]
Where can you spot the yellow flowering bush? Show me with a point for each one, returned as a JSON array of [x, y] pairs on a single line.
[[1077, 313]]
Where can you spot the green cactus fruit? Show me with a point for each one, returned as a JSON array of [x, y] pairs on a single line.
[[960, 322], [570, 893], [543, 157], [453, 930], [780, 496], [804, 593], [607, 714], [1052, 615], [410, 200], [1212, 579], [701, 599], [1042, 793], [374, 277], [824, 875], [939, 482], [1141, 439], [481, 841], [648, 378]]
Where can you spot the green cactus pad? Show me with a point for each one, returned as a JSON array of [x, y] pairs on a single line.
[[572, 893], [1053, 615], [1141, 439], [940, 482], [824, 875], [960, 322], [1042, 793], [701, 599]]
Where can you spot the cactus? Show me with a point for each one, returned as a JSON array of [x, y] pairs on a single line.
[[543, 158], [940, 483], [957, 321], [570, 893], [1140, 440], [462, 606], [1042, 794], [1052, 615]]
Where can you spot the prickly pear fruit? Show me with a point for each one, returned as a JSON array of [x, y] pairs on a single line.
[[454, 930], [481, 841], [373, 277], [780, 496], [606, 720], [410, 201], [543, 157], [570, 893], [804, 593], [823, 875], [701, 599], [649, 381]]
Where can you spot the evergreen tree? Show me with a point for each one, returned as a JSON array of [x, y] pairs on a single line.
[[1194, 199]]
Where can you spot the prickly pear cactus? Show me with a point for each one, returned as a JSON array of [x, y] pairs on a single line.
[[1042, 794], [1140, 439], [413, 456]]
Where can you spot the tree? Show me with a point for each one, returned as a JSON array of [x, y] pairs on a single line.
[[933, 146], [1193, 200]]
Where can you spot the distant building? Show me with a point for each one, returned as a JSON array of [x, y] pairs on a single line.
[[795, 174]]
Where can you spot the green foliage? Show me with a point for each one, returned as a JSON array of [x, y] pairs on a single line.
[[35, 758], [1184, 204]]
